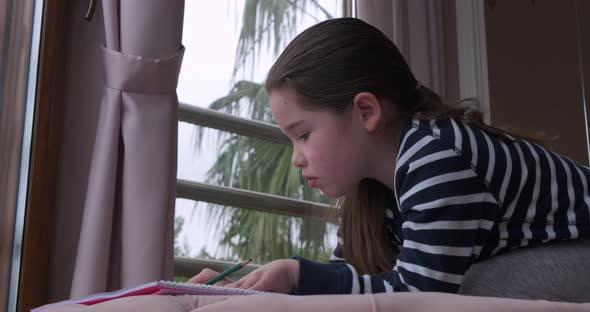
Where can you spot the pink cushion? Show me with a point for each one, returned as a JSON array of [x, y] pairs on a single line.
[[408, 302]]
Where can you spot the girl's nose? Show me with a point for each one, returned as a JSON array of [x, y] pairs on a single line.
[[298, 159]]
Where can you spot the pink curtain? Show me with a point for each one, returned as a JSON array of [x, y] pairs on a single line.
[[425, 33], [127, 228]]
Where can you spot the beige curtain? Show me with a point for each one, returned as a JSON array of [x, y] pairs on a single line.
[[127, 228], [425, 33]]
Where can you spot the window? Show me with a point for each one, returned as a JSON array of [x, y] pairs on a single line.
[[238, 196]]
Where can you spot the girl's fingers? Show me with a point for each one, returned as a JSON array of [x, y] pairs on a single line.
[[248, 283], [224, 282], [203, 276], [236, 284], [260, 285]]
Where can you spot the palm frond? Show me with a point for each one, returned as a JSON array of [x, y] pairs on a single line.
[[271, 24]]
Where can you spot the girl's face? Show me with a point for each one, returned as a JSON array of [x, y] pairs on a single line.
[[330, 148]]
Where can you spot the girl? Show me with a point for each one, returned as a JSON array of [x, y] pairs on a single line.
[[408, 172]]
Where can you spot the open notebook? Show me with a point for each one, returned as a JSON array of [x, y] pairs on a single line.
[[155, 288]]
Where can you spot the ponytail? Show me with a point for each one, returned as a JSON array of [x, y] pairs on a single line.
[[362, 229]]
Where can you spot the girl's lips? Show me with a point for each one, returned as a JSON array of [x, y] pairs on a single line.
[[312, 182]]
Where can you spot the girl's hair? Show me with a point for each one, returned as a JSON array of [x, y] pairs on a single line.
[[328, 65]]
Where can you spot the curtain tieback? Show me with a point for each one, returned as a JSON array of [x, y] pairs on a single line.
[[130, 73]]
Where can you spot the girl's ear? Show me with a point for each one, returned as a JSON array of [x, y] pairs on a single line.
[[370, 110]]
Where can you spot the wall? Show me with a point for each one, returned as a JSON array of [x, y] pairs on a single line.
[[534, 70], [584, 30]]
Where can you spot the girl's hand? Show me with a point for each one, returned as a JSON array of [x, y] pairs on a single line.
[[279, 276], [207, 274]]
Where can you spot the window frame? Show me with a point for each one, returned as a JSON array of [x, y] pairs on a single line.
[[33, 286]]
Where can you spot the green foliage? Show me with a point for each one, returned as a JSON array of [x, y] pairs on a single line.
[[180, 250], [270, 24], [247, 95]]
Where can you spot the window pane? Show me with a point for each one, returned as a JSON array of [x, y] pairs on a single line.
[[209, 231], [224, 69]]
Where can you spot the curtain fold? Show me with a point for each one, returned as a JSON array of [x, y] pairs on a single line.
[[127, 228], [425, 33]]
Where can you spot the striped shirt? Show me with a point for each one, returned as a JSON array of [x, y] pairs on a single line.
[[461, 196]]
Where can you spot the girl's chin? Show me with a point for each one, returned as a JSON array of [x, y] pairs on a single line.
[[332, 193]]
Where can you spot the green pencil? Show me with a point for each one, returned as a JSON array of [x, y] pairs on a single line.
[[227, 272]]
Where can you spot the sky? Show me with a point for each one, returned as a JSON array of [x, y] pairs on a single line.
[[210, 35]]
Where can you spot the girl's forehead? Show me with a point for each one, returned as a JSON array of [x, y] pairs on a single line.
[[290, 114], [288, 107], [285, 101], [285, 96]]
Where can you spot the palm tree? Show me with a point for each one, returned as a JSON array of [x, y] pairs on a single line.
[[251, 164]]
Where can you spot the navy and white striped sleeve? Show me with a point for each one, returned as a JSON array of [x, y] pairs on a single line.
[[447, 214]]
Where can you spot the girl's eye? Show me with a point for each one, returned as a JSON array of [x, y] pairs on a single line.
[[303, 136]]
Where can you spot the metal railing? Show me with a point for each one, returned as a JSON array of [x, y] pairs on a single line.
[[228, 196], [220, 121]]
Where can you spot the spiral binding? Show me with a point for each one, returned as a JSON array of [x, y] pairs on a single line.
[[221, 289]]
